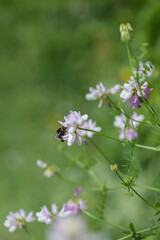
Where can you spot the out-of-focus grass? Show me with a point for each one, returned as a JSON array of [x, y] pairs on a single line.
[[50, 53]]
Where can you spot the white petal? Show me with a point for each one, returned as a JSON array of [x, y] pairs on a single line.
[[41, 164], [79, 140], [125, 95], [139, 94], [90, 96], [71, 139], [85, 117], [12, 228], [71, 130], [81, 121]]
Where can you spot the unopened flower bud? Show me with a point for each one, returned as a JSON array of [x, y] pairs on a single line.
[[131, 178], [125, 31], [51, 171], [114, 168]]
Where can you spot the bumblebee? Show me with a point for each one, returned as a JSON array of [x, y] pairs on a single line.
[[61, 132]]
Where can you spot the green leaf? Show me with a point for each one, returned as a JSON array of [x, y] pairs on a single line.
[[157, 204], [131, 226], [157, 213]]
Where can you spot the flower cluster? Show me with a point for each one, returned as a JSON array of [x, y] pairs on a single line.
[[46, 216], [144, 70], [73, 124], [18, 220], [50, 170], [72, 207], [128, 131], [72, 227], [132, 92], [101, 93]]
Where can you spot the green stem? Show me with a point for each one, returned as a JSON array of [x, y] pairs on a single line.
[[109, 223], [144, 199], [122, 111], [107, 188], [87, 189], [130, 58], [27, 231], [104, 135], [101, 152], [147, 229], [115, 139], [67, 180], [137, 193], [92, 174], [139, 232], [147, 187], [96, 179], [148, 147], [126, 237]]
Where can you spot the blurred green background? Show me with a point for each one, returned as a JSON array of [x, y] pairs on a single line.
[[50, 53]]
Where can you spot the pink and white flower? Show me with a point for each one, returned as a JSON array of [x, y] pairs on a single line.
[[77, 191], [73, 122], [132, 93], [69, 228], [18, 220], [45, 215], [73, 207], [90, 125], [101, 92], [145, 70], [125, 131], [137, 118], [41, 164]]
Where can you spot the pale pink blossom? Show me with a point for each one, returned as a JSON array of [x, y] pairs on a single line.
[[18, 220], [73, 122], [73, 207], [132, 93], [128, 131], [101, 93], [46, 216], [41, 164]]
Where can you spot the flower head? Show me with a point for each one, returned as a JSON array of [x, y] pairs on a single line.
[[128, 131], [114, 168], [91, 125], [73, 207], [77, 191], [101, 92], [145, 70], [45, 215], [73, 124], [50, 171], [68, 228], [132, 93], [125, 31], [18, 220], [137, 118]]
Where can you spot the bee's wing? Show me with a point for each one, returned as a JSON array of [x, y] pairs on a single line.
[[55, 137]]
